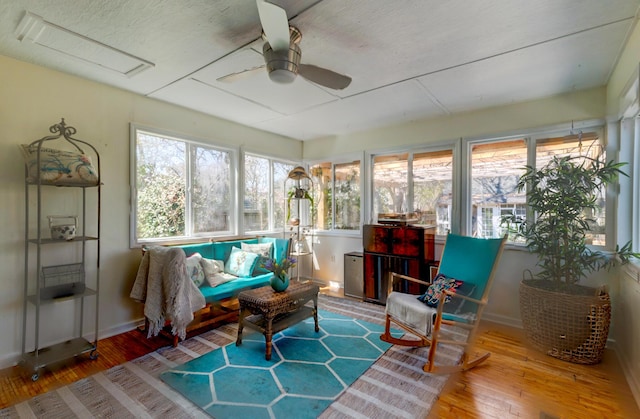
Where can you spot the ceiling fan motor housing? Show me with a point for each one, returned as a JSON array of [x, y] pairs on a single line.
[[282, 66]]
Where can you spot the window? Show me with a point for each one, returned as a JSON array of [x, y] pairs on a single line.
[[632, 190], [256, 193], [337, 195], [210, 190], [626, 140], [496, 167], [634, 184], [180, 188], [280, 172], [346, 190], [264, 200], [495, 170], [418, 183], [390, 184], [433, 188], [584, 147]]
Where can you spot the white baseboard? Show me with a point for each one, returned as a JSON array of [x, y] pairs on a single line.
[[12, 359], [121, 328], [505, 320], [9, 360]]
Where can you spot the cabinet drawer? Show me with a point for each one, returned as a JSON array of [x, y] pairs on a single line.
[[376, 239], [407, 242]]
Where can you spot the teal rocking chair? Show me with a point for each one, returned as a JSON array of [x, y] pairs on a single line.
[[469, 262]]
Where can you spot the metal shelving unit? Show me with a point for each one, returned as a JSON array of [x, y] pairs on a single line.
[[300, 221], [48, 285]]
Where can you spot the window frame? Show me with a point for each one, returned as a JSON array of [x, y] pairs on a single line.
[[625, 134], [634, 185], [273, 228], [190, 141], [466, 216], [532, 137], [629, 202], [453, 145], [344, 159]]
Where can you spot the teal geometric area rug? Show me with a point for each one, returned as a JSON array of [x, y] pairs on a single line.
[[306, 373], [394, 386]]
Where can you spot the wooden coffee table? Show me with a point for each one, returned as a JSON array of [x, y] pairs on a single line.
[[269, 312]]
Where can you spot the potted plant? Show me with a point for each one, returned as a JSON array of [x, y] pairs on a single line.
[[560, 317], [297, 193]]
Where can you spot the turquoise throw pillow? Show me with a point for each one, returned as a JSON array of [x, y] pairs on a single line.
[[240, 262], [264, 251]]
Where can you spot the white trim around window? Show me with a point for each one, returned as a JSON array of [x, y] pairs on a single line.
[[231, 218], [344, 159]]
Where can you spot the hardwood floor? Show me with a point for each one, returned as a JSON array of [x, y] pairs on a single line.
[[520, 382], [16, 384], [514, 382]]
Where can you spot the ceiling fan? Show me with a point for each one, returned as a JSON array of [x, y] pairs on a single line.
[[282, 53]]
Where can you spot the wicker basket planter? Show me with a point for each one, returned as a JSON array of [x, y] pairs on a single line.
[[569, 326]]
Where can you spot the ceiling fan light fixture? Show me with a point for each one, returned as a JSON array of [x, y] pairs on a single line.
[[282, 76], [282, 66]]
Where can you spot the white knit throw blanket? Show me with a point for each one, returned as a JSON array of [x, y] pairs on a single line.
[[163, 285]]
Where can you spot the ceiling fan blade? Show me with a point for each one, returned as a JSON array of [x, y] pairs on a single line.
[[274, 24], [324, 77], [240, 75]]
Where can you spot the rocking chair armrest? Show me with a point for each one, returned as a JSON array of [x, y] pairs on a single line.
[[464, 297], [453, 294]]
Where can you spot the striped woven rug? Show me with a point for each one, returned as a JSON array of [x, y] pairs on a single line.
[[393, 387]]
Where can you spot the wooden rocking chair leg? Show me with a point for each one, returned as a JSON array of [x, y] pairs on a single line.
[[464, 365], [467, 365], [387, 327], [387, 337], [430, 365]]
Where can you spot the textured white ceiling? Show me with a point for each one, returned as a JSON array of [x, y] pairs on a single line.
[[409, 59]]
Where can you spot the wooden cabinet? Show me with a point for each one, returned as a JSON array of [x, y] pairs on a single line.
[[401, 249]]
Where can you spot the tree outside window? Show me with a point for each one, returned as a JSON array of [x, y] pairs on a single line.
[[280, 172], [256, 193], [337, 195], [496, 168], [160, 186], [589, 147], [264, 200], [181, 188], [418, 184], [432, 177], [211, 190], [390, 184]]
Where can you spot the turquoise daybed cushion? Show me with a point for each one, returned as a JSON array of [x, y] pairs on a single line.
[[222, 251]]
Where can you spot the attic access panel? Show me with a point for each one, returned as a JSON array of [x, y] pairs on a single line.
[[49, 35]]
